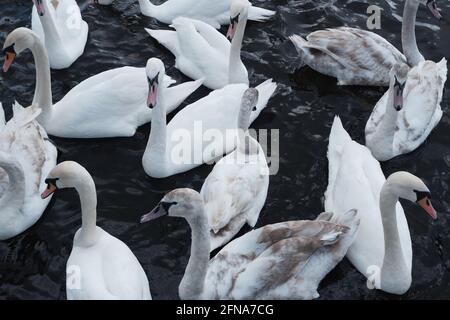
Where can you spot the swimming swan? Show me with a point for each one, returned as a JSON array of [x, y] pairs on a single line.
[[109, 104], [382, 250], [285, 260], [100, 266]]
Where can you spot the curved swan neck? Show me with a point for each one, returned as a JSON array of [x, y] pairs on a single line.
[[148, 8], [88, 198], [43, 89], [409, 43], [235, 51], [14, 195], [156, 147], [394, 271], [193, 282]]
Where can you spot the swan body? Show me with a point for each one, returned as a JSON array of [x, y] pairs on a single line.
[[187, 141], [109, 104], [389, 132], [26, 157], [383, 240], [235, 191], [353, 56], [203, 52], [359, 57], [213, 12], [286, 260], [100, 266], [59, 25]]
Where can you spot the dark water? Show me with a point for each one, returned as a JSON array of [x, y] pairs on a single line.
[[32, 265]]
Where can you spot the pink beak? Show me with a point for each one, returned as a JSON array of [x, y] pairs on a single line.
[[9, 59], [40, 8], [48, 192], [425, 203], [231, 31], [152, 96]]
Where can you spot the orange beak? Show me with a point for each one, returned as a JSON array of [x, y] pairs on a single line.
[[49, 191], [9, 59], [425, 203]]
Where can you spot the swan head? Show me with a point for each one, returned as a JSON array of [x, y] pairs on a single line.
[[432, 6], [39, 7], [398, 76], [68, 174], [248, 105], [16, 42], [238, 11], [155, 71], [184, 203], [409, 187]]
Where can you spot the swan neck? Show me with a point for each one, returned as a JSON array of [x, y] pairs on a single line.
[[88, 199], [14, 195], [148, 8], [43, 89], [193, 282], [235, 52], [156, 147], [394, 265], [409, 43]]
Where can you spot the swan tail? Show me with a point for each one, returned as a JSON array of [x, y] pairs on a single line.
[[23, 116], [260, 14], [349, 219], [177, 94], [442, 69], [167, 38], [265, 90]]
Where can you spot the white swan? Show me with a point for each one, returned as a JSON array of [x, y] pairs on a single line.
[[203, 52], [213, 12], [382, 249], [26, 157], [359, 57], [279, 261], [196, 133], [60, 26], [109, 104], [100, 266], [409, 110], [235, 191]]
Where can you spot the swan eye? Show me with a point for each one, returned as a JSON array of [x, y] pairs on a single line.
[[421, 195], [166, 205], [51, 182], [235, 19], [9, 49], [155, 80]]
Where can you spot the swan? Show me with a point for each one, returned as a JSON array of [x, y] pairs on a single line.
[[359, 57], [213, 12], [235, 191], [100, 266], [109, 104], [408, 112], [195, 135], [59, 24], [26, 157], [382, 249], [220, 63], [286, 260]]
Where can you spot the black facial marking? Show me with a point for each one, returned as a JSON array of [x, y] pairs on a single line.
[[235, 19], [254, 109], [422, 195], [399, 85], [51, 181], [9, 49], [155, 80], [166, 205]]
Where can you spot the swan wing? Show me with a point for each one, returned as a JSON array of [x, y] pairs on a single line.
[[259, 264], [422, 110]]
